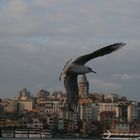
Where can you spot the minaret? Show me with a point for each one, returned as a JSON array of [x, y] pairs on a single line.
[[83, 86]]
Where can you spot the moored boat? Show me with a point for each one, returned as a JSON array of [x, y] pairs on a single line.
[[27, 133], [120, 136]]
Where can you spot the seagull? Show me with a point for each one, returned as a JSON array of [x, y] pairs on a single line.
[[74, 68]]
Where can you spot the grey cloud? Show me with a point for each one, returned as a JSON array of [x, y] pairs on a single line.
[[38, 37], [105, 86], [126, 76]]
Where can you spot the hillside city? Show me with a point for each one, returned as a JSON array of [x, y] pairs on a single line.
[[96, 113]]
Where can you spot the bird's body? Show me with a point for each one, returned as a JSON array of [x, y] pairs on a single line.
[[73, 69]]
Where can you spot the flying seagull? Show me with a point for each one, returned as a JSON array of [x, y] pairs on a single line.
[[73, 68]]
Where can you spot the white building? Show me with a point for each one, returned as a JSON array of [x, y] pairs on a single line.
[[133, 111], [12, 106], [53, 107], [27, 105]]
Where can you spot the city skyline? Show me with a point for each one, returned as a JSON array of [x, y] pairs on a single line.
[[39, 36]]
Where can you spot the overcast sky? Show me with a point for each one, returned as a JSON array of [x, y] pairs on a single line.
[[37, 38]]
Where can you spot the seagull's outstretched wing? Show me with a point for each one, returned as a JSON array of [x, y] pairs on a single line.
[[98, 53], [71, 86]]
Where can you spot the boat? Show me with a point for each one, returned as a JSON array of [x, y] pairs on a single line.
[[33, 133], [27, 133], [7, 135], [120, 136], [47, 134]]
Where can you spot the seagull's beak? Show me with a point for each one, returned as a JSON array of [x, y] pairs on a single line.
[[93, 71]]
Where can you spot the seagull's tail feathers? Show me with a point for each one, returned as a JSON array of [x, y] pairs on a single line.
[[73, 100], [73, 107], [71, 86]]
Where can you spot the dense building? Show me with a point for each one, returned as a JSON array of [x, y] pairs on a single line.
[[85, 108], [133, 111], [34, 123], [26, 105], [50, 110], [42, 94], [106, 118], [120, 126], [103, 107], [12, 107], [123, 111], [24, 94]]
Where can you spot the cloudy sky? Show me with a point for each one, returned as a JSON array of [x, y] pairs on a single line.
[[37, 37]]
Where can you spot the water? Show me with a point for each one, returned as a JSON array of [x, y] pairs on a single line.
[[46, 139]]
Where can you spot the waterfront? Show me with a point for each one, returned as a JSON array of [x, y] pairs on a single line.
[[42, 139]]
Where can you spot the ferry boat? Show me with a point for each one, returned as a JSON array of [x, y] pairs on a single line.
[[26, 133], [120, 136], [33, 133], [47, 134], [7, 135]]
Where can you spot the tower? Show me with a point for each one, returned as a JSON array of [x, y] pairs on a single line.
[[83, 86]]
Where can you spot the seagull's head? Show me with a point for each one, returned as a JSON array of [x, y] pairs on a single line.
[[78, 69], [81, 69]]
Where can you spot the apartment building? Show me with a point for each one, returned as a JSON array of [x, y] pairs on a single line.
[[133, 111], [86, 112], [12, 106], [109, 107], [26, 105]]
